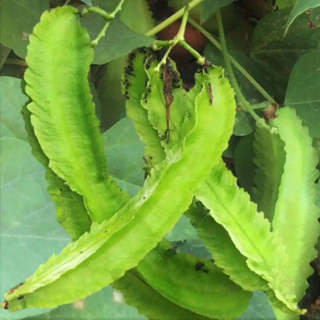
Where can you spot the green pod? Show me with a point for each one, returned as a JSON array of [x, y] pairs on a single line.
[[269, 158], [148, 301], [70, 210], [170, 108], [251, 233], [72, 215], [62, 111], [133, 87], [148, 115], [296, 215], [224, 252], [111, 248], [206, 290]]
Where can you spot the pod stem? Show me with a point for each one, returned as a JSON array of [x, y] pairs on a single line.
[[107, 16], [179, 40], [172, 18]]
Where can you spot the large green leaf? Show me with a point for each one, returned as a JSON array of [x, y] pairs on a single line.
[[278, 53], [17, 20], [243, 163], [88, 2], [259, 308], [122, 142], [285, 3], [303, 92], [11, 102], [28, 225], [4, 52], [300, 7], [118, 42], [209, 7]]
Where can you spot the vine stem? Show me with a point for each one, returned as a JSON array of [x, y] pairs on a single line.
[[107, 16], [241, 69], [172, 18], [179, 39], [241, 98]]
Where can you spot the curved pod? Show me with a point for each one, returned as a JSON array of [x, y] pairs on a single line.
[[62, 111]]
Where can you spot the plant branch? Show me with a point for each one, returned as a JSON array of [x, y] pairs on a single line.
[[172, 18], [107, 16], [245, 73], [179, 39], [241, 98]]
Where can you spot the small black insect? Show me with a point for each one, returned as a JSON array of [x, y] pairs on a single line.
[[199, 266], [132, 55]]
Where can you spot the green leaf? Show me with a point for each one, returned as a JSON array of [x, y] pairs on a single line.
[[122, 142], [183, 230], [4, 52], [28, 224], [285, 3], [303, 92], [315, 17], [243, 163], [209, 7], [278, 53], [11, 103], [118, 42], [19, 17], [299, 7], [244, 124], [259, 308], [88, 2], [109, 92], [137, 16]]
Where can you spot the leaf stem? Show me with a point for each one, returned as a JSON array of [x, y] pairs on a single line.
[[241, 98], [245, 73], [172, 18], [107, 16]]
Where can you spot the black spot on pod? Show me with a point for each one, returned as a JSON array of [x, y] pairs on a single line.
[[198, 266]]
